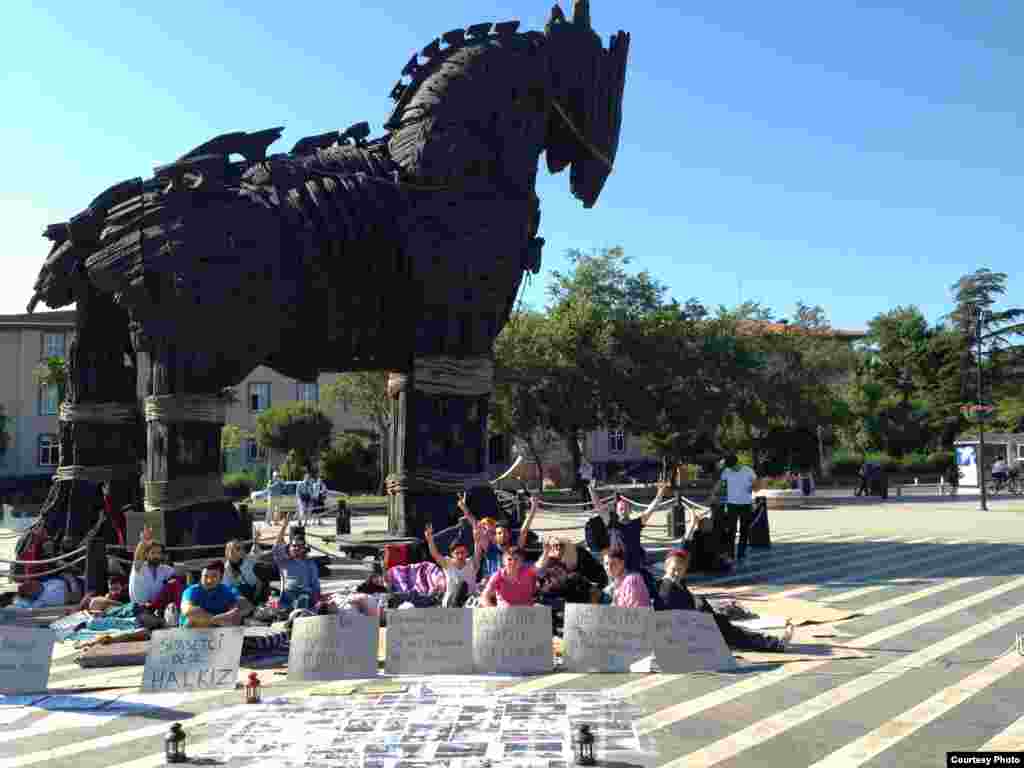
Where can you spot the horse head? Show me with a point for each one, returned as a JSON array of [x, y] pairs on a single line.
[[587, 84]]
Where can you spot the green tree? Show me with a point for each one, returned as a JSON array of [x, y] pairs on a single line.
[[522, 369], [589, 380], [300, 430], [5, 436], [366, 393], [53, 372]]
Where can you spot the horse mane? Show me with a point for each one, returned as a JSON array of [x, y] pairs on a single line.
[[462, 97]]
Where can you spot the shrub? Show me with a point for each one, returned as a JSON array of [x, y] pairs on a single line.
[[240, 484], [349, 465], [917, 463], [941, 461], [846, 463], [885, 461]]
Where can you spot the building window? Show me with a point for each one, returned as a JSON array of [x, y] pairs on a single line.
[[53, 345], [49, 451], [616, 441], [308, 392], [49, 400], [497, 452], [259, 397], [254, 451]]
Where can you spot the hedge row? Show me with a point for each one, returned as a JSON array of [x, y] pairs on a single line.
[[846, 463]]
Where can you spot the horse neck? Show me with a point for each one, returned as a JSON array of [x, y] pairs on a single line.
[[480, 121]]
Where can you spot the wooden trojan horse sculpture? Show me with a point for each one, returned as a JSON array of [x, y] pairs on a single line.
[[404, 254]]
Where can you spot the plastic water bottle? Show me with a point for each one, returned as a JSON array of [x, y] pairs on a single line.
[[171, 615]]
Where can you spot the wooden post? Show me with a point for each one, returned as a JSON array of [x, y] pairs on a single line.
[[96, 566], [438, 443], [184, 492], [99, 419]]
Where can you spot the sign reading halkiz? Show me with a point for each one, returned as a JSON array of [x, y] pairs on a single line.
[[193, 659], [984, 758]]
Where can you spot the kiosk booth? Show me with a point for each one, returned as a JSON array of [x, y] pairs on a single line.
[[998, 445]]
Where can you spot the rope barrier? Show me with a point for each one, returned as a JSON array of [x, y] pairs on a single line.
[[66, 566], [44, 562]]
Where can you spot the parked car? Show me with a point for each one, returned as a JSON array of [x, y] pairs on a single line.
[[287, 490]]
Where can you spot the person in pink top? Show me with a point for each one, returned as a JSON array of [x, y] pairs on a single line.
[[515, 584], [628, 589]]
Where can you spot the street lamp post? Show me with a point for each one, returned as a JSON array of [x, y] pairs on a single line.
[[981, 422]]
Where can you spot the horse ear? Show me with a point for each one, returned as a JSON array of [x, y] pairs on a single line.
[[581, 13], [556, 15]]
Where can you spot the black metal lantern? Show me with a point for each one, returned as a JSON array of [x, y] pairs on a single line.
[[583, 746], [174, 745]]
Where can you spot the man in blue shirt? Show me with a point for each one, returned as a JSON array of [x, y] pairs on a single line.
[[210, 603]]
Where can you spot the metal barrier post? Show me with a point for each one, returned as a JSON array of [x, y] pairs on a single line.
[[343, 522], [96, 566], [676, 519]]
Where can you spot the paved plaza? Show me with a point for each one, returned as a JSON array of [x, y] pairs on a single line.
[[938, 584]]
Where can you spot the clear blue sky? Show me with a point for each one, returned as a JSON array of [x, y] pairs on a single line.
[[853, 154]]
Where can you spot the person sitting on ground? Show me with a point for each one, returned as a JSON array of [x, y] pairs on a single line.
[[300, 576], [513, 585], [498, 536], [626, 588], [209, 603], [116, 596], [626, 535], [676, 596], [459, 568], [149, 576], [240, 575], [582, 573], [47, 592]]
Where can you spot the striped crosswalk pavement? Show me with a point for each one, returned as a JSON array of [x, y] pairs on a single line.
[[938, 670]]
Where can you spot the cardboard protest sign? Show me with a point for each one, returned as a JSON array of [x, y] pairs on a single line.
[[333, 647], [430, 641], [193, 659], [600, 638], [514, 641], [25, 655], [689, 641]]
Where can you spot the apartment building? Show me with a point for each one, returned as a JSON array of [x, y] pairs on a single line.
[[265, 388], [33, 451], [33, 447]]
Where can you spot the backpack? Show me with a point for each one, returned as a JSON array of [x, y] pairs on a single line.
[[596, 534]]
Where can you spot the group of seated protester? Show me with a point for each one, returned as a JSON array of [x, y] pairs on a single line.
[[564, 573]]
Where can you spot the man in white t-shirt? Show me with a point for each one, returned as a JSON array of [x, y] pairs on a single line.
[[739, 505]]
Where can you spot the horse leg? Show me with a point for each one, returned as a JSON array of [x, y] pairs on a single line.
[[184, 494], [98, 424], [438, 443]]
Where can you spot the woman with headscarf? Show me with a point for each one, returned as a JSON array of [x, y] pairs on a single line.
[[240, 576]]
